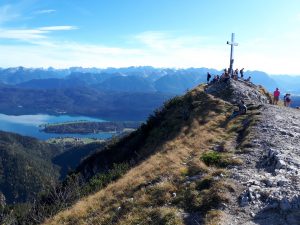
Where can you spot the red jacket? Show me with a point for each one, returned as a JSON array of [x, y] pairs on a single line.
[[276, 93]]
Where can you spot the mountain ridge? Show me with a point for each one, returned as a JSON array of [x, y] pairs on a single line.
[[198, 179]]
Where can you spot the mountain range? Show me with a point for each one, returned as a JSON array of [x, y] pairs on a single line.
[[114, 93], [132, 79]]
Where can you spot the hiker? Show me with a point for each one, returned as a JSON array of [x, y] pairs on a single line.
[[288, 100], [236, 74], [214, 80], [225, 71], [284, 99], [242, 73], [248, 79], [276, 96], [225, 76], [208, 77], [242, 110]]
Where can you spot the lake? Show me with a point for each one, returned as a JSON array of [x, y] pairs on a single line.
[[28, 125]]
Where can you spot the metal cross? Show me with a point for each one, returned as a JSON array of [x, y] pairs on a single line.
[[232, 43]]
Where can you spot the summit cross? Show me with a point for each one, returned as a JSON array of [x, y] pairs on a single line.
[[232, 44]]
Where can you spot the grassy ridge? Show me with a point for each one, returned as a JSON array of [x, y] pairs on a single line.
[[172, 170]]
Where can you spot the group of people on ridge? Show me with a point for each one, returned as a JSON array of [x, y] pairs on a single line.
[[286, 99], [227, 76], [235, 75], [242, 108]]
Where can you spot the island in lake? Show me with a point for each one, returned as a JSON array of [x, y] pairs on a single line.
[[87, 127]]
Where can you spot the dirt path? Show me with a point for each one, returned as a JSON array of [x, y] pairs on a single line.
[[270, 174]]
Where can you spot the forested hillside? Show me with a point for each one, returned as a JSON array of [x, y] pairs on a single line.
[[25, 166]]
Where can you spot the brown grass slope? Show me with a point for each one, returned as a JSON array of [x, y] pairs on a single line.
[[176, 177]]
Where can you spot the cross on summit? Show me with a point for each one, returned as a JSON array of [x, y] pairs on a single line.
[[232, 44]]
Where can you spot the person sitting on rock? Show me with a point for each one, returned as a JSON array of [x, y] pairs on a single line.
[[248, 79], [276, 96], [242, 110]]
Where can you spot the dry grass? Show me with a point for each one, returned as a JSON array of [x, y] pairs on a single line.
[[156, 190], [214, 217]]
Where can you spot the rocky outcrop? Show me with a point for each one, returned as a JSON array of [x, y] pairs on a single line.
[[234, 91]]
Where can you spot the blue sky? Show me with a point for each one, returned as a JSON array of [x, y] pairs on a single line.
[[161, 33]]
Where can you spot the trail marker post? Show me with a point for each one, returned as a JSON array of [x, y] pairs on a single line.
[[232, 44]]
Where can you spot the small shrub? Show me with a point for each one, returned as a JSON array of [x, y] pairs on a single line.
[[219, 160], [184, 171], [102, 179], [211, 158]]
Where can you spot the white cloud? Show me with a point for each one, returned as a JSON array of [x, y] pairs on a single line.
[[30, 35], [22, 34], [57, 28], [165, 41], [158, 49], [170, 52], [45, 11]]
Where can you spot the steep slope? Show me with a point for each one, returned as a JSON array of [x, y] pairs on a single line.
[[179, 166], [25, 166], [70, 159]]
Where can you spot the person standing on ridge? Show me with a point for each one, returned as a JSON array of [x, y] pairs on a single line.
[[276, 96], [208, 77], [236, 74], [284, 100], [288, 100], [242, 73]]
